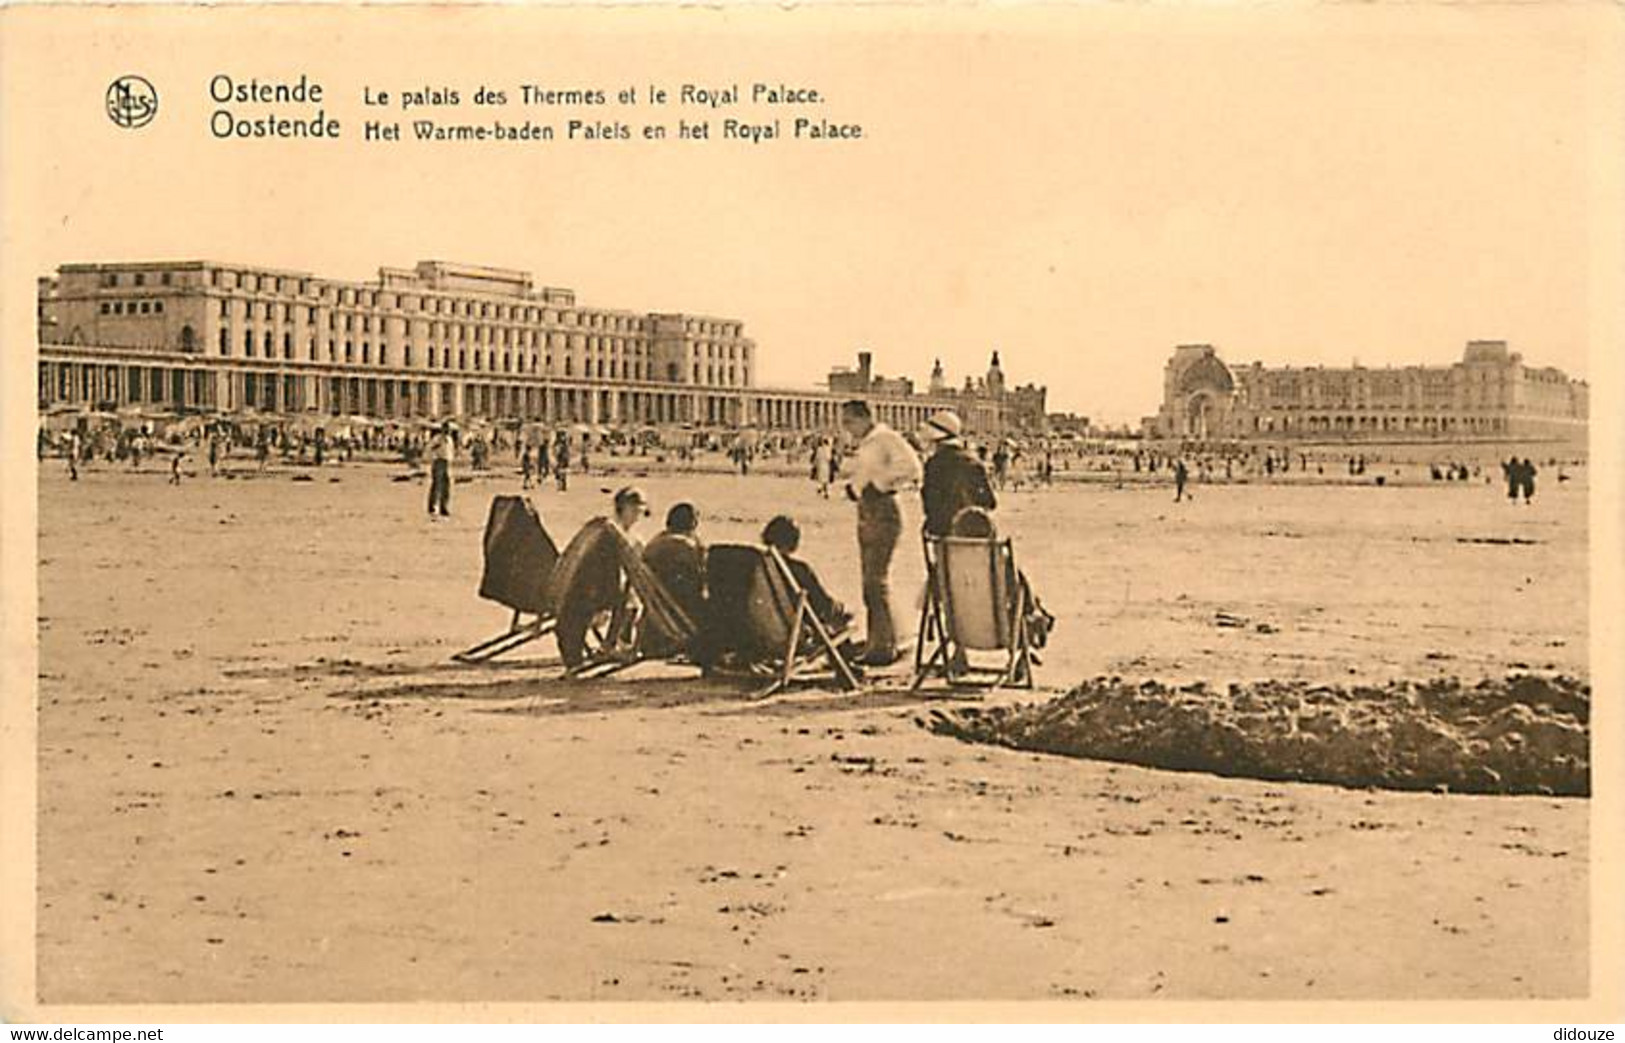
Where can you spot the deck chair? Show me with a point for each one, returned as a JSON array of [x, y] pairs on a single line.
[[642, 604], [975, 601], [760, 613], [519, 561]]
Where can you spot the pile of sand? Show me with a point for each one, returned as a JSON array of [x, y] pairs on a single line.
[[1523, 734]]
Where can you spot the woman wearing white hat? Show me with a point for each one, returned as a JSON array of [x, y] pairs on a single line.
[[954, 479]]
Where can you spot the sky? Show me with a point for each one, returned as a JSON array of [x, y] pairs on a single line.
[[1079, 188]]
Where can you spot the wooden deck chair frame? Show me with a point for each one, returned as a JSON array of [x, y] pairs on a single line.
[[934, 655], [794, 663], [612, 639], [618, 641], [523, 628]]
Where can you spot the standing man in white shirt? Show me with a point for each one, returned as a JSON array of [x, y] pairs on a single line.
[[883, 465], [442, 450]]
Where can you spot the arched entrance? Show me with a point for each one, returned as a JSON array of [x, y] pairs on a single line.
[[1204, 415]]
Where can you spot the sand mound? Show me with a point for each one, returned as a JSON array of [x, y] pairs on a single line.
[[1523, 734]]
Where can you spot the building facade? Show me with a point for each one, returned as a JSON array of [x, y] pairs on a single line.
[[437, 340], [985, 404], [1490, 394]]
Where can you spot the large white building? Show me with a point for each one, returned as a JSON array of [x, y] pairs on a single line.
[[1492, 393], [436, 340]]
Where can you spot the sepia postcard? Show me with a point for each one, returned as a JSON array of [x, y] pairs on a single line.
[[990, 512]]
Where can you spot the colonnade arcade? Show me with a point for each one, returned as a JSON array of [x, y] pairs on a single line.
[[98, 379]]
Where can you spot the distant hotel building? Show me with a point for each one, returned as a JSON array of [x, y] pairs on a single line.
[[985, 404], [437, 340], [1490, 394]]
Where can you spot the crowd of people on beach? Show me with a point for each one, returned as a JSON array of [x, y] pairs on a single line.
[[957, 496], [549, 454]]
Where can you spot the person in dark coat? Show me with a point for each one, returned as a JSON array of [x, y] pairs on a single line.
[[784, 535], [677, 558], [954, 479], [1527, 476]]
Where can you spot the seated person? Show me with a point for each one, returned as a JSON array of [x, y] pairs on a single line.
[[784, 536], [677, 559], [588, 580], [976, 523]]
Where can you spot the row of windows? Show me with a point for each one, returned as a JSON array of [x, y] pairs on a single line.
[[1371, 407], [485, 334], [505, 336], [1377, 385], [443, 357], [132, 307], [457, 306], [447, 305], [111, 279]]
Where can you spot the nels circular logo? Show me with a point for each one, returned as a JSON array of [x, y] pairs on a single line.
[[132, 101]]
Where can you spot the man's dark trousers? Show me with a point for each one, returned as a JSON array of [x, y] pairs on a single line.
[[880, 524], [439, 487]]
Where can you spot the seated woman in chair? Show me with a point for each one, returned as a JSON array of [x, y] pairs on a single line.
[[784, 536], [676, 557]]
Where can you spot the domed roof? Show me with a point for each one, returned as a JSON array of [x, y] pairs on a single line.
[[1206, 374]]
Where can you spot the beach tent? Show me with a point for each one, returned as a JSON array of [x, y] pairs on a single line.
[[62, 420], [306, 424]]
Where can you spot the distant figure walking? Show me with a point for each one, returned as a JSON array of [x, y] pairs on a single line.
[[73, 456], [1527, 476], [1181, 477], [524, 467], [1001, 465], [561, 463], [821, 470], [214, 455], [175, 467], [442, 449], [1512, 471]]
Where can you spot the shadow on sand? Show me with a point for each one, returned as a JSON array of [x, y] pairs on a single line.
[[672, 688]]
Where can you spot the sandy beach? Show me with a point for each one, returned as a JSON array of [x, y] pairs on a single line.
[[261, 777]]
